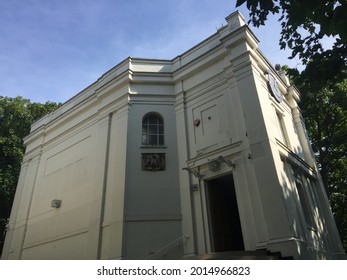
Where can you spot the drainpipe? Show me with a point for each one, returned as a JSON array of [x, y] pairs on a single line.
[[31, 162], [104, 185]]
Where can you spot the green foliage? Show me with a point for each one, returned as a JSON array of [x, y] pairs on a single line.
[[16, 116], [305, 25]]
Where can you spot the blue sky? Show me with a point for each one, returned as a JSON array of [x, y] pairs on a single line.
[[52, 49]]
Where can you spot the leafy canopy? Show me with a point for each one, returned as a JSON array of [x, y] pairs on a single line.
[[305, 26]]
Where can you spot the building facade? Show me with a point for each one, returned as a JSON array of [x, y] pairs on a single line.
[[175, 159]]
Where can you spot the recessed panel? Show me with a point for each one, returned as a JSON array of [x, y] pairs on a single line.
[[210, 120]]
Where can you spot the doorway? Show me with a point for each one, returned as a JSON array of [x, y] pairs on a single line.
[[224, 219]]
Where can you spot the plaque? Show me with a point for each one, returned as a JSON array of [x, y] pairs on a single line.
[[153, 161]]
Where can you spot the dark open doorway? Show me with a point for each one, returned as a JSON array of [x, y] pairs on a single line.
[[225, 226]]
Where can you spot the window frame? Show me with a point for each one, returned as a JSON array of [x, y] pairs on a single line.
[[305, 194], [283, 133], [153, 130]]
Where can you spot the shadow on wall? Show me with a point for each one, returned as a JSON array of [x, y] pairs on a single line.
[[306, 212]]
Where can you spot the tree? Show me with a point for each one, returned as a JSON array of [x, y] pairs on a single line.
[[16, 116], [305, 25]]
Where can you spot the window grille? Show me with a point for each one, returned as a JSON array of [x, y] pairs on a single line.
[[152, 130]]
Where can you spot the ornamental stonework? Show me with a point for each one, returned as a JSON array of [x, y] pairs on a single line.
[[153, 161]]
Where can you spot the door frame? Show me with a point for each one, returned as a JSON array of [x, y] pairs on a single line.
[[205, 199]]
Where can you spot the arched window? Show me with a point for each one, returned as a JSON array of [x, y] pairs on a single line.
[[152, 129]]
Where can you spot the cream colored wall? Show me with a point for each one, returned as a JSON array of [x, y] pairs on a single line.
[[65, 173], [216, 96], [152, 212], [238, 120], [113, 206], [67, 161]]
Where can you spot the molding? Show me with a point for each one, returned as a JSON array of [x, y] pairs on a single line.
[[157, 99], [262, 245], [151, 78], [294, 158], [195, 65], [202, 157], [55, 238], [154, 218]]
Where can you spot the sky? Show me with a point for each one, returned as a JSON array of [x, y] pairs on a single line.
[[52, 49]]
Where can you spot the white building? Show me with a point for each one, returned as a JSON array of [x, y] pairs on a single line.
[[184, 158]]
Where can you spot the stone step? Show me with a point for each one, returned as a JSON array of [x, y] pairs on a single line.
[[237, 255]]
